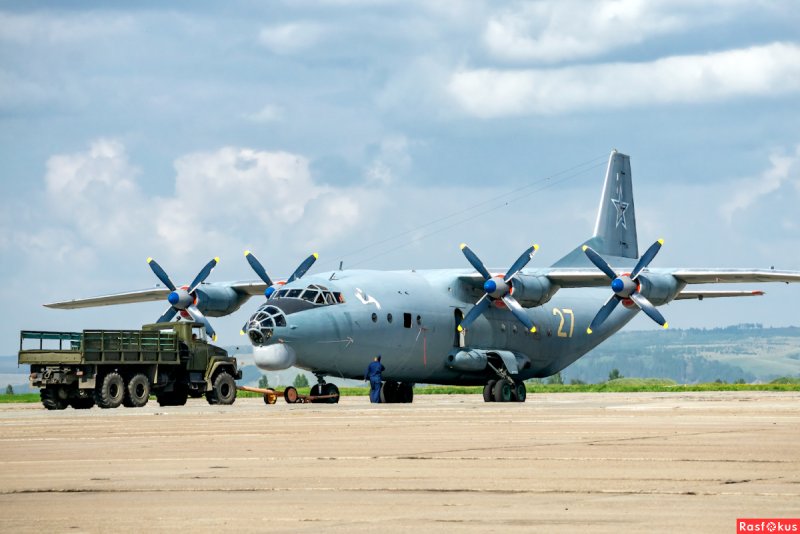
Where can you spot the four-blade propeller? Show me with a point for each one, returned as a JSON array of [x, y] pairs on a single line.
[[625, 286], [262, 273], [183, 299], [498, 288]]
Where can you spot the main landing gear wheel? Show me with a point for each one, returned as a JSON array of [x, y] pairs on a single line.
[[520, 393], [397, 392], [502, 391], [488, 391]]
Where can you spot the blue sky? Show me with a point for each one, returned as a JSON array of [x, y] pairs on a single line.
[[186, 131]]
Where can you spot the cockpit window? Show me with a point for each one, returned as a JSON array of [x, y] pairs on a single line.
[[316, 294]]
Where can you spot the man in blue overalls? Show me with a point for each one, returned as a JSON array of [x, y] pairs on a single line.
[[373, 374]]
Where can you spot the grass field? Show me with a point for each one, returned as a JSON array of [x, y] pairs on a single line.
[[621, 385]]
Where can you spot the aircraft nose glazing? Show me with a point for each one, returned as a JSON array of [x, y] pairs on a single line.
[[261, 325]]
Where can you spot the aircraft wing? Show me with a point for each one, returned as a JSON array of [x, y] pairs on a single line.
[[700, 295], [734, 276], [594, 278], [128, 297], [151, 294]]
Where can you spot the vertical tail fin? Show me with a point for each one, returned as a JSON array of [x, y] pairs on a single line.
[[615, 228]]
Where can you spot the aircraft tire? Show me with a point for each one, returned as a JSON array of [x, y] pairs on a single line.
[[137, 392], [111, 391], [488, 391], [389, 392], [502, 391], [331, 389], [520, 392], [406, 393], [317, 390], [52, 399]]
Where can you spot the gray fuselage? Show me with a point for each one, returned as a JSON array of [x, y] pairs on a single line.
[[410, 319]]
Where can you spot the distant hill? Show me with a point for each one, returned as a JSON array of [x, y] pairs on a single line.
[[745, 351]]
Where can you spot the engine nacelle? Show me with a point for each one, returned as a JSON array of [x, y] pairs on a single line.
[[659, 288], [216, 301], [275, 357], [532, 290]]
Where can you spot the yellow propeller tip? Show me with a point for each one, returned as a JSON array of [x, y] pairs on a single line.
[[241, 332], [661, 241], [584, 247], [460, 329], [213, 338], [588, 330], [246, 252], [216, 259], [666, 325], [316, 256], [462, 246], [149, 260], [533, 330], [535, 247]]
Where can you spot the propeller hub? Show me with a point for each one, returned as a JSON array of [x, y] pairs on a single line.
[[490, 286], [617, 285], [173, 298]]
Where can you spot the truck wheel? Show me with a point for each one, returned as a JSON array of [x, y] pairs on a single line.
[[138, 391], [51, 398], [224, 389], [81, 403], [111, 391], [177, 397]]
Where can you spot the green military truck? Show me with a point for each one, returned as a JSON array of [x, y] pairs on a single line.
[[109, 368]]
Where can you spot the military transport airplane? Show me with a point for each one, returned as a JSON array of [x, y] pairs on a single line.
[[476, 326]]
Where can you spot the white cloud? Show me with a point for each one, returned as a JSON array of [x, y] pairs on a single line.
[[291, 38], [783, 168], [221, 198], [554, 31], [268, 113], [393, 159], [761, 70]]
